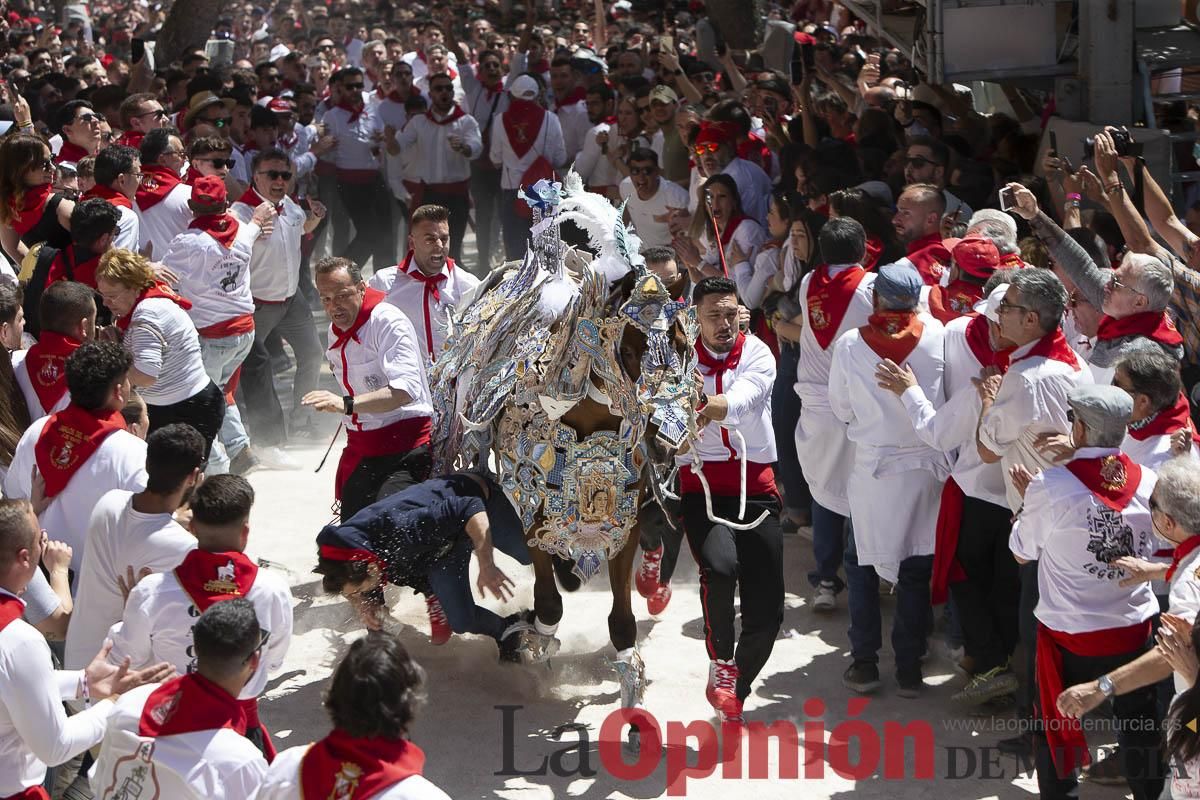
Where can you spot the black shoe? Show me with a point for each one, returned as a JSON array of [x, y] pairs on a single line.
[[510, 640], [862, 677], [244, 462], [911, 683], [1020, 745], [1107, 771]]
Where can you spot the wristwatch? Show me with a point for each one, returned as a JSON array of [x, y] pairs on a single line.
[[348, 404], [1106, 685]]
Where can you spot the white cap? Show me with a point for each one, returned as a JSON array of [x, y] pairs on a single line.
[[990, 305], [278, 52], [524, 88]]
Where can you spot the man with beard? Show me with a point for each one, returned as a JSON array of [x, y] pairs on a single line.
[[928, 161], [651, 199], [592, 163], [918, 224], [715, 153]]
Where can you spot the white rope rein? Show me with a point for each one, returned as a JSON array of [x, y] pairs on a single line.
[[698, 468]]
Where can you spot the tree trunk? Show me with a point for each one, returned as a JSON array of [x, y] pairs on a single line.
[[187, 28], [739, 23]]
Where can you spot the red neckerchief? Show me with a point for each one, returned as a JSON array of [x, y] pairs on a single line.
[[1156, 325], [45, 364], [68, 440], [610, 120], [190, 704], [958, 299], [874, 251], [354, 111], [1182, 551], [70, 153], [110, 194], [715, 366], [730, 228], [131, 139], [211, 577], [493, 90], [431, 282], [363, 767], [576, 95], [159, 289], [522, 122], [81, 271], [222, 227], [371, 298], [539, 66], [981, 345], [1113, 478], [157, 183], [930, 257], [892, 334], [33, 203], [252, 198], [11, 608], [1011, 261], [828, 298], [1054, 347], [1165, 422], [454, 114]]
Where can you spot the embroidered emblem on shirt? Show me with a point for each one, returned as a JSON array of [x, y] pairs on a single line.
[[224, 583], [816, 315], [346, 781], [51, 370], [1112, 473]]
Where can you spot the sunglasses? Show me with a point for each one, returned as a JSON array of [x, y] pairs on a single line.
[[707, 147], [88, 118], [228, 163], [158, 112], [643, 170], [1070, 415], [266, 637], [918, 161], [277, 175], [219, 122]]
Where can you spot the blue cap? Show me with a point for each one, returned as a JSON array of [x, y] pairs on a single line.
[[899, 284]]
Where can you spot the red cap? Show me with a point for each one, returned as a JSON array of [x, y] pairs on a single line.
[[804, 38], [209, 190], [718, 132], [281, 105], [976, 256]]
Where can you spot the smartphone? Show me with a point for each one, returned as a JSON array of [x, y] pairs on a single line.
[[808, 54], [1008, 198], [666, 44], [137, 50], [1053, 143]]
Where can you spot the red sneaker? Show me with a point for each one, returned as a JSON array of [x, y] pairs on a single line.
[[657, 602], [439, 626], [722, 687], [648, 574]]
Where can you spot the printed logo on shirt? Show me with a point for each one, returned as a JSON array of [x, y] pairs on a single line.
[[346, 781], [64, 457], [134, 777], [373, 382], [1111, 538], [51, 371], [224, 583], [817, 316]]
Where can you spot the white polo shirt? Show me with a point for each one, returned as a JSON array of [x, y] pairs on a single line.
[[275, 261], [430, 317], [165, 220]]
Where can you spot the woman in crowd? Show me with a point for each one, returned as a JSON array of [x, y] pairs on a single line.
[[30, 211], [737, 235], [156, 329], [882, 247]]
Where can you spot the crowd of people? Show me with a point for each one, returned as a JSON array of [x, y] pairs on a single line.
[[957, 363]]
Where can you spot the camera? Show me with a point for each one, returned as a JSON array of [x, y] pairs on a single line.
[[1124, 144]]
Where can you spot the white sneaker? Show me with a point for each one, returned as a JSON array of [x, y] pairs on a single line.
[[824, 598], [275, 458]]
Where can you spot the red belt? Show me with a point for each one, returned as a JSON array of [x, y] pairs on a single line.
[[250, 708], [399, 437], [946, 569], [32, 793], [230, 327], [725, 479]]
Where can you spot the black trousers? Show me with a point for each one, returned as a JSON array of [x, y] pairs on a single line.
[[459, 206], [293, 320], [204, 411], [514, 227], [370, 206], [657, 532], [988, 599], [485, 194], [1139, 730], [749, 561], [1027, 631], [376, 477]]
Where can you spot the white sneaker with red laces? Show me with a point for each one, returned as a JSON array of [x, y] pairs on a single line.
[[439, 626], [722, 687], [648, 574]]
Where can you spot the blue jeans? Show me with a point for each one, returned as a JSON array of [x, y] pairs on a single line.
[[221, 359], [829, 542], [785, 416], [911, 622], [450, 578]]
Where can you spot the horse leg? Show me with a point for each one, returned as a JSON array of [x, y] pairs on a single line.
[[540, 643], [622, 630]]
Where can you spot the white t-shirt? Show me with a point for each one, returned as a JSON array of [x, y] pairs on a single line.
[[129, 230], [283, 782], [165, 220], [430, 318], [118, 537], [165, 346], [214, 277], [642, 213]]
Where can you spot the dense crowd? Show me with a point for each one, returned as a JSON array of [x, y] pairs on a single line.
[[957, 362]]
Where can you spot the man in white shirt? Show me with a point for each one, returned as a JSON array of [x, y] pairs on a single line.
[[83, 451], [274, 285], [570, 104], [527, 134], [896, 481], [1077, 521], [1161, 412], [447, 139], [118, 173], [162, 197], [34, 729], [134, 533], [835, 297], [592, 162], [359, 132], [161, 609], [733, 551], [369, 742], [188, 737], [68, 319], [428, 286], [650, 198], [486, 100]]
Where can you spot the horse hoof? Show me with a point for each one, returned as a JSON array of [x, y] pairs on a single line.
[[633, 742], [631, 674]]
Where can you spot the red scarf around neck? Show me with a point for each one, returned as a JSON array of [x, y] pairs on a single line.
[[930, 257], [252, 198], [131, 139], [1165, 422], [714, 366], [958, 299], [576, 95], [1182, 551], [1054, 347], [110, 194], [981, 345], [11, 608], [33, 203], [1156, 325], [874, 251], [892, 334], [371, 298], [1113, 478], [222, 227], [70, 153], [68, 440], [355, 111], [159, 289], [365, 767], [46, 365], [208, 578], [455, 113], [81, 271], [522, 122], [157, 183], [828, 299], [730, 229], [190, 704]]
